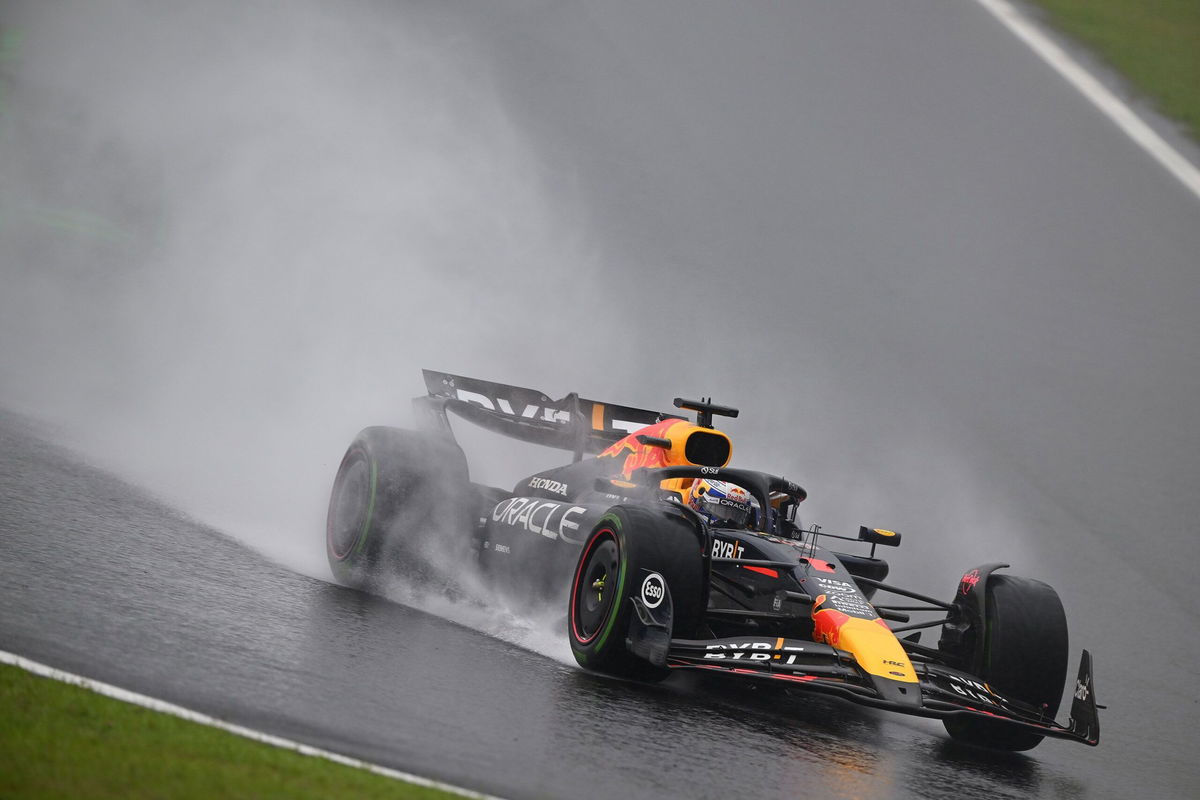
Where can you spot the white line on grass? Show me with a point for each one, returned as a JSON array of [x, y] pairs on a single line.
[[258, 736], [1097, 93]]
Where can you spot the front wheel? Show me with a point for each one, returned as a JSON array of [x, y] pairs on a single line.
[[633, 552], [1023, 653]]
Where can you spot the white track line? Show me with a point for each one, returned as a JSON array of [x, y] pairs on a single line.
[[1097, 93], [194, 716]]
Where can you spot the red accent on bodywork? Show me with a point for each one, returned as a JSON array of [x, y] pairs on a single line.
[[823, 566], [827, 623], [742, 671], [763, 570]]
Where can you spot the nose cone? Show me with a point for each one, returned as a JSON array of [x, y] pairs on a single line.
[[897, 691], [873, 644]]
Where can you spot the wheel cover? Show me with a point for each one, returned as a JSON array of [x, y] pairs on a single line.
[[595, 587], [349, 510]]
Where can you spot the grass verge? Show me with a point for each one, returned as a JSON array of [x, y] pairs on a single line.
[[58, 740], [1155, 44]]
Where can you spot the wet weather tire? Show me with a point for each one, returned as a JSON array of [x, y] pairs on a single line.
[[1024, 656], [628, 545], [394, 492]]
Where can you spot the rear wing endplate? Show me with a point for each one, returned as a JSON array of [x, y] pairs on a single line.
[[571, 423]]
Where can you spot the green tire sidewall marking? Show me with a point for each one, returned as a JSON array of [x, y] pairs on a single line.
[[616, 606], [362, 534]]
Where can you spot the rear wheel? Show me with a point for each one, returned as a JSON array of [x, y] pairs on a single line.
[[618, 562], [396, 492], [1023, 654]]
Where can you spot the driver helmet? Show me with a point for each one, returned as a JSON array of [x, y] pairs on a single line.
[[725, 505]]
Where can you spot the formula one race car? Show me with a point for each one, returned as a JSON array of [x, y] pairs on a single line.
[[666, 559]]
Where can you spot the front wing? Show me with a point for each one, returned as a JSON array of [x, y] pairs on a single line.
[[944, 692]]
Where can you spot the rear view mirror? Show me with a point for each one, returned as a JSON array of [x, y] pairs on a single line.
[[878, 536]]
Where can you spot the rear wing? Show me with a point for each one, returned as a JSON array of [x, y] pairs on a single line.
[[572, 423]]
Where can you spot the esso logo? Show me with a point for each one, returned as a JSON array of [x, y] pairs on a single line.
[[654, 589]]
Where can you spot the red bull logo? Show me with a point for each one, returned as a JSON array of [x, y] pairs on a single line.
[[648, 456], [871, 641]]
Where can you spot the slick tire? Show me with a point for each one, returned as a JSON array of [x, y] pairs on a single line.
[[627, 545], [395, 492], [1024, 656]]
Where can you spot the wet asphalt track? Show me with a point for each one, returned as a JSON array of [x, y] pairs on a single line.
[[981, 298], [102, 581]]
